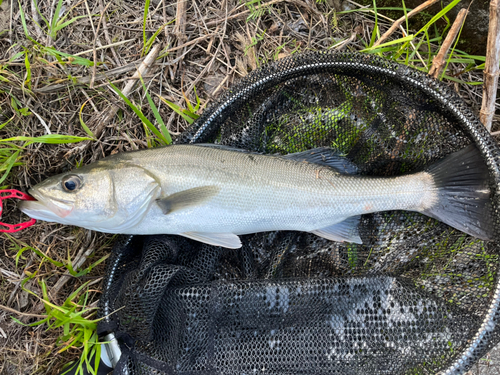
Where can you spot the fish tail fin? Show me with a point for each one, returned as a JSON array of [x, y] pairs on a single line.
[[462, 192]]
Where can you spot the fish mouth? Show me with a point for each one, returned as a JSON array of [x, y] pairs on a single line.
[[48, 209]]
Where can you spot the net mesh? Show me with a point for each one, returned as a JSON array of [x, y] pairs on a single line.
[[418, 297]]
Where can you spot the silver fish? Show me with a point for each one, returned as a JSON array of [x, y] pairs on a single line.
[[213, 194]]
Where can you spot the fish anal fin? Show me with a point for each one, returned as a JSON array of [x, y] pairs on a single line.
[[187, 198], [327, 157], [228, 240], [345, 231]]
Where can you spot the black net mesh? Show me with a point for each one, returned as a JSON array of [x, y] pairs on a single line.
[[418, 297]]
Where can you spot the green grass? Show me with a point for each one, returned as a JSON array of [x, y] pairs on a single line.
[[352, 255], [162, 135], [409, 49], [415, 49], [21, 247], [11, 148], [255, 40], [148, 42], [74, 318], [57, 23], [190, 114], [257, 9]]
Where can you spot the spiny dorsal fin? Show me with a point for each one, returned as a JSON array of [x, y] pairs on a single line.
[[325, 156], [187, 198]]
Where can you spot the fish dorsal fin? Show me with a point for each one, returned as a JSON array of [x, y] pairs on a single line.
[[325, 156], [224, 147], [187, 198], [346, 230], [228, 240]]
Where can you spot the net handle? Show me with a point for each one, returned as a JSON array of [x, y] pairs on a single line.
[[8, 194]]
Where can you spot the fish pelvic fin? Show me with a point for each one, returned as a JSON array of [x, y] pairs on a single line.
[[463, 197], [187, 198], [345, 231], [228, 240]]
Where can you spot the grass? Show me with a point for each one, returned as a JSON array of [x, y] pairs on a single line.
[[73, 317], [257, 9], [78, 329], [190, 114], [162, 134], [11, 148], [419, 48], [51, 122]]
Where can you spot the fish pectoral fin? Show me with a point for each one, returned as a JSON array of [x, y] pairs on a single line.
[[229, 240], [187, 198], [346, 230], [327, 157]]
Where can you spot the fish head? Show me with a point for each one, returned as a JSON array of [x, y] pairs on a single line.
[[102, 197]]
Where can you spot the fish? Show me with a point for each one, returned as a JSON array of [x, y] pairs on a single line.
[[214, 194]]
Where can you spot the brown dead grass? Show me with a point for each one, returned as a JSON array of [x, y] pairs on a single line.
[[212, 47]]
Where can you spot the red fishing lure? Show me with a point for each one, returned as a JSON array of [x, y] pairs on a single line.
[[12, 193]]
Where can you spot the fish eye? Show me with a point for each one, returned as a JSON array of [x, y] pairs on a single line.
[[71, 183]]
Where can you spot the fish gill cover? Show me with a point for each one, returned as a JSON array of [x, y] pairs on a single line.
[[417, 297]]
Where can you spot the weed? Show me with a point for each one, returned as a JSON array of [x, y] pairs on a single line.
[[45, 50], [10, 151], [148, 42], [375, 32], [148, 125], [255, 40], [352, 255], [256, 9], [157, 115], [57, 23], [20, 247], [190, 113], [409, 49], [82, 123], [74, 317]]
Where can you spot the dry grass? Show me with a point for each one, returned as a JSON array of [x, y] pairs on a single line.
[[207, 44]]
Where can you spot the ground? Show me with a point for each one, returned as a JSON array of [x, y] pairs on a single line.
[[58, 62]]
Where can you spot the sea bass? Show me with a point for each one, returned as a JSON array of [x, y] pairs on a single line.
[[213, 193]]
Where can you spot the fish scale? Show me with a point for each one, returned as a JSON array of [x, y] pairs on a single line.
[[259, 192]]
